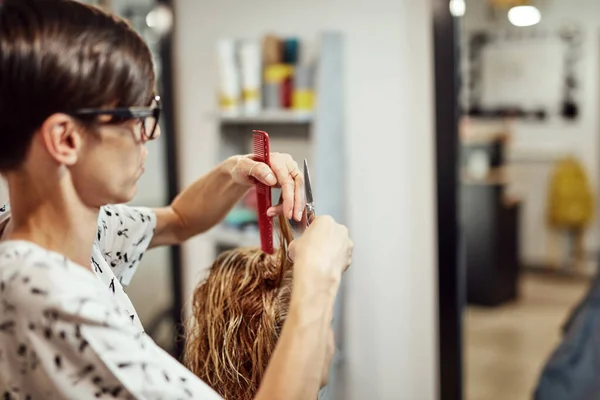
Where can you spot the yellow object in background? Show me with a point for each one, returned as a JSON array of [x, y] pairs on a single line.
[[277, 73], [250, 94], [570, 199], [303, 99], [227, 103]]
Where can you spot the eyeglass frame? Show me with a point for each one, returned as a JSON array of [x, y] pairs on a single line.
[[127, 113]]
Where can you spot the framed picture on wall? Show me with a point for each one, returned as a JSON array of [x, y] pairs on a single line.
[[524, 75]]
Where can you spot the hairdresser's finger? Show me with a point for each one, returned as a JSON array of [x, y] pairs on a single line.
[[274, 211], [292, 250], [350, 253], [299, 197], [285, 169], [259, 171]]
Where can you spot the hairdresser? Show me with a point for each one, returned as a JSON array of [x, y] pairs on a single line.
[[77, 106]]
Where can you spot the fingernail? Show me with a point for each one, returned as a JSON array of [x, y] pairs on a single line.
[[291, 214], [271, 179], [299, 217]]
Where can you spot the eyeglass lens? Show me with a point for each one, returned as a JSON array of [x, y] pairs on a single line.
[[149, 127]]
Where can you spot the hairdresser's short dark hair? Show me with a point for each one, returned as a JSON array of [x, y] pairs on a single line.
[[61, 55]]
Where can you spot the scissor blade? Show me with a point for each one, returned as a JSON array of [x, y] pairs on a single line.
[[307, 184]]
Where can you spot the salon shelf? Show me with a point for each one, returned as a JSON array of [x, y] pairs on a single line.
[[268, 117]]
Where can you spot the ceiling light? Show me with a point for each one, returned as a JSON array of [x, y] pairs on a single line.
[[457, 8], [524, 16], [160, 19]]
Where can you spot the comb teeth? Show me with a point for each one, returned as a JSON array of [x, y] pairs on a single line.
[[258, 147], [261, 146]]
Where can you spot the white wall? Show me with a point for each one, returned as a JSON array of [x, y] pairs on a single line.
[[555, 138], [391, 292]]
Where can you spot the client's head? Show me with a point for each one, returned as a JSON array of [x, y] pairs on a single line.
[[237, 316]]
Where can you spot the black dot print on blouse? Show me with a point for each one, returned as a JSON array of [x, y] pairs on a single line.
[[140, 241], [83, 374], [7, 327], [116, 391], [39, 292], [83, 345], [97, 266]]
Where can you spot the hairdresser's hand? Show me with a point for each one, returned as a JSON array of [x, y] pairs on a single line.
[[324, 251], [283, 173]]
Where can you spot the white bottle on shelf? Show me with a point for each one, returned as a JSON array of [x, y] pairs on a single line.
[[250, 63], [229, 79]]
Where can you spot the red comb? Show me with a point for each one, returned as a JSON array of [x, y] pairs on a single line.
[[262, 151]]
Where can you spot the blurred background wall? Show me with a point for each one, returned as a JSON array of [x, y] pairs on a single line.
[[535, 147], [390, 296]]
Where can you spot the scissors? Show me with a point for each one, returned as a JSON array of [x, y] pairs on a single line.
[[309, 210], [310, 203]]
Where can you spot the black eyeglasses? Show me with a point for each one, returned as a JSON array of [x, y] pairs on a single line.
[[148, 116]]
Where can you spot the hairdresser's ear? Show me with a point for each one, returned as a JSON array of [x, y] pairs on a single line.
[[62, 138]]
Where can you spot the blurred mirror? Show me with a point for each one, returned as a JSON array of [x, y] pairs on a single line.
[[530, 156]]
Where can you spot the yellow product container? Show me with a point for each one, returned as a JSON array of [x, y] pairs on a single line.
[[277, 73], [227, 102], [570, 198], [250, 94], [303, 99]]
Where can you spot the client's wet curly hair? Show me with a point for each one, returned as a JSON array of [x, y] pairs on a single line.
[[237, 317]]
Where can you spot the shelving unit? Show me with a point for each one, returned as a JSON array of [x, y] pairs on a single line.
[[317, 136], [269, 116]]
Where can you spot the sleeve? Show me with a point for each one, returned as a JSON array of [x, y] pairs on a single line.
[[123, 235], [90, 350]]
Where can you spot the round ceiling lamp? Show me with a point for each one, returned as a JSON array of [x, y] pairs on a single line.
[[522, 16], [458, 8], [160, 19]]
